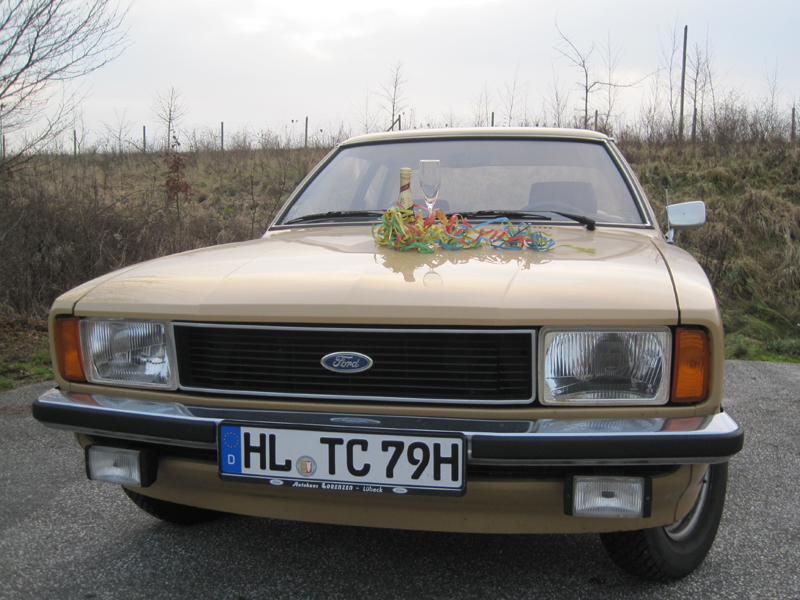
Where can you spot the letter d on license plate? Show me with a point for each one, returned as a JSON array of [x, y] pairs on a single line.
[[374, 461]]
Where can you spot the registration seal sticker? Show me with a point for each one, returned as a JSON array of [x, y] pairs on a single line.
[[306, 466]]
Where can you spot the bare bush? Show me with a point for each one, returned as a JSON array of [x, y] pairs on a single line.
[[65, 220], [169, 109], [750, 245]]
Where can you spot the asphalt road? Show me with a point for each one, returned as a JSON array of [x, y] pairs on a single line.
[[62, 536]]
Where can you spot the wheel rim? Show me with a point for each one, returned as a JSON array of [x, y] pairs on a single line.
[[680, 530]]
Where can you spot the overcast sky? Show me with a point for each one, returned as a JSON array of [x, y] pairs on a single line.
[[261, 63]]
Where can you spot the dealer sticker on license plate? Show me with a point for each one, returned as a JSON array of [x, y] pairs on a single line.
[[331, 459]]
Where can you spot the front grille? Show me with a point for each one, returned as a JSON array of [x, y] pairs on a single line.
[[474, 366]]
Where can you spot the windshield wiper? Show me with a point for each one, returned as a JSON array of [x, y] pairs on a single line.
[[511, 214], [335, 214], [590, 223]]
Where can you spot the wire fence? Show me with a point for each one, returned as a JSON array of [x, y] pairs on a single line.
[[726, 123]]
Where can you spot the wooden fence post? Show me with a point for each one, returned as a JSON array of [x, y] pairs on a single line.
[[683, 81]]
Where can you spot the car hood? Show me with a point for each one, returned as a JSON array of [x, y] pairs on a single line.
[[339, 275]]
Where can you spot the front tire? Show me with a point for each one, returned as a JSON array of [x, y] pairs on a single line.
[[673, 551], [178, 514]]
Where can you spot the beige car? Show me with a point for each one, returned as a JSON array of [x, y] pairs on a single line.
[[316, 375]]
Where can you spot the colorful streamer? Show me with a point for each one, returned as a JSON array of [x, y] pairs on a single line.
[[406, 230]]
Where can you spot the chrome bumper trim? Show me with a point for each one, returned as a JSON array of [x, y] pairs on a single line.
[[634, 441]]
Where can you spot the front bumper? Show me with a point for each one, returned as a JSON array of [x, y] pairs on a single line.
[[546, 442]]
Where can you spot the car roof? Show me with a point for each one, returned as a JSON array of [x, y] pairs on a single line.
[[478, 132]]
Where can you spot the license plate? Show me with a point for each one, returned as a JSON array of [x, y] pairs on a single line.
[[330, 459]]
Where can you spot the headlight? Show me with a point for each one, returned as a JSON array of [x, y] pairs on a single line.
[[130, 353], [605, 366]]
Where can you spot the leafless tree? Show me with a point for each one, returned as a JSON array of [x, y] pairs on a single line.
[[511, 97], [44, 45], [118, 133], [392, 99], [169, 110], [556, 103], [670, 63], [768, 113], [481, 108], [410, 122], [593, 82], [725, 116], [611, 56], [524, 116], [698, 75], [651, 114], [581, 60], [366, 112]]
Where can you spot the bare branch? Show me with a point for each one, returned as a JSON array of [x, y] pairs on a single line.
[[580, 60], [45, 44], [592, 82], [168, 109], [117, 134], [481, 108], [556, 103], [670, 59], [512, 97], [451, 119], [392, 93], [366, 112]]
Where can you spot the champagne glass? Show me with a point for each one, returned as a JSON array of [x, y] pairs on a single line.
[[432, 278], [429, 182]]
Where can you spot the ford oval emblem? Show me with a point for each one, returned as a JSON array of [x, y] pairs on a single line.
[[346, 362]]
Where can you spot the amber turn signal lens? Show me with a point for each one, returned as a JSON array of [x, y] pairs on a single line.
[[692, 365], [68, 349]]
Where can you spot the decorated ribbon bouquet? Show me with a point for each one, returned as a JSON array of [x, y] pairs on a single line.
[[404, 230]]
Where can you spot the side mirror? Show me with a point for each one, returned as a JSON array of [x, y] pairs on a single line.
[[688, 215]]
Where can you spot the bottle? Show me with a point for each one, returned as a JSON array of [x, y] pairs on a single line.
[[405, 202]]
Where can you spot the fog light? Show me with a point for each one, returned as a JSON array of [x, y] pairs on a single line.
[[609, 497], [121, 465]]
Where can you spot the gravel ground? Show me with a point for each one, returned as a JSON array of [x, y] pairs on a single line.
[[62, 536]]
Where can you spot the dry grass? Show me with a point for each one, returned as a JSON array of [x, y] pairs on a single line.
[[24, 353], [64, 220], [750, 246], [68, 219]]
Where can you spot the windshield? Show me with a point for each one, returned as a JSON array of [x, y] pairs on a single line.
[[545, 177]]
